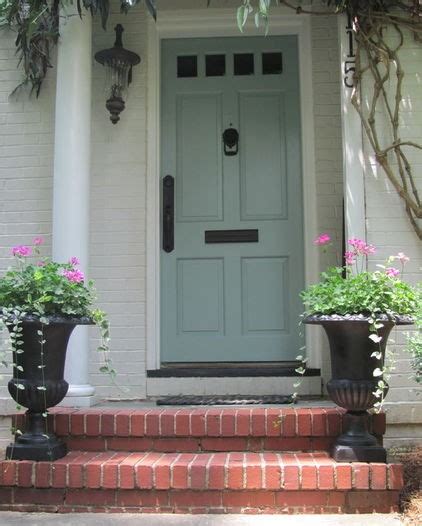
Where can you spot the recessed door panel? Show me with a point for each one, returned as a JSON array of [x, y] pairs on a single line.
[[198, 156], [265, 295], [263, 156], [200, 287]]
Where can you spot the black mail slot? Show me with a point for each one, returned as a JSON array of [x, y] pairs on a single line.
[[231, 236]]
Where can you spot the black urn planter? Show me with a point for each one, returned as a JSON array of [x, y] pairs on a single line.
[[353, 384], [38, 384]]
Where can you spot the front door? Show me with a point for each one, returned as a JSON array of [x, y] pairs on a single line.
[[230, 286]]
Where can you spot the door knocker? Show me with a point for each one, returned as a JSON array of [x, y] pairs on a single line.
[[231, 141]]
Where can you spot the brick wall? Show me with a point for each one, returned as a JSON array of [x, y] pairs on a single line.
[[387, 225], [328, 144], [117, 259], [26, 161]]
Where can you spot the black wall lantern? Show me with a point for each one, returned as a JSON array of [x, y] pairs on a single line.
[[118, 62]]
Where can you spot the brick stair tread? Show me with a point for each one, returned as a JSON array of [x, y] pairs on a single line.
[[203, 422], [201, 471]]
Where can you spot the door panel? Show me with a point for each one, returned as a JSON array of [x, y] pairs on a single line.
[[200, 295], [262, 129], [232, 302], [199, 190], [265, 294]]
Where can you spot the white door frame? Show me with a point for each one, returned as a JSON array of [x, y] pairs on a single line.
[[222, 23]]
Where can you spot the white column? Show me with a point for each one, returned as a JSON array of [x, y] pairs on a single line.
[[72, 159], [353, 158]]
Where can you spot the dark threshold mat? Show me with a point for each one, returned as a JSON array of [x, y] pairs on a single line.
[[225, 400]]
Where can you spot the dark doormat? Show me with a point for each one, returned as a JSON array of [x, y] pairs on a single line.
[[225, 400]]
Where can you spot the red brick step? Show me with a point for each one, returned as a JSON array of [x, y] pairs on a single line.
[[199, 482], [201, 429]]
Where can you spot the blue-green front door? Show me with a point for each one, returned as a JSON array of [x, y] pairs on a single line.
[[233, 301]]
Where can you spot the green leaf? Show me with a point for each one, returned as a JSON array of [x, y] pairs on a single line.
[[242, 16]]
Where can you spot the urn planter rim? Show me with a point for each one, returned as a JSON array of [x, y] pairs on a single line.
[[56, 319], [319, 319]]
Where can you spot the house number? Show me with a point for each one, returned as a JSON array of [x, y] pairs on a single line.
[[350, 62]]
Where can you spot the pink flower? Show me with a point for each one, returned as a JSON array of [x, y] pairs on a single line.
[[38, 241], [392, 272], [75, 276], [21, 250], [368, 249], [322, 239], [41, 263], [349, 257], [357, 244], [402, 258], [360, 247], [74, 261]]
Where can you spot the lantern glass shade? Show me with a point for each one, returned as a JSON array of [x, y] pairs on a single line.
[[117, 72]]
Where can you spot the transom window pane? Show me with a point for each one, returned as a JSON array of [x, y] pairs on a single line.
[[187, 66], [272, 63], [243, 64], [215, 65]]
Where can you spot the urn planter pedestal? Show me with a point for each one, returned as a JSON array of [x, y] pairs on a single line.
[[353, 383], [38, 384]]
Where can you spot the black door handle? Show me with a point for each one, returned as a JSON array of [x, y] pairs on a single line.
[[168, 213]]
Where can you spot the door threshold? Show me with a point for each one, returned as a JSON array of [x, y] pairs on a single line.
[[228, 370]]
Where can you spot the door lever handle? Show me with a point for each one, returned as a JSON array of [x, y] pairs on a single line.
[[168, 213]]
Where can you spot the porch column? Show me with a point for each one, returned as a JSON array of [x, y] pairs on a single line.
[[72, 157]]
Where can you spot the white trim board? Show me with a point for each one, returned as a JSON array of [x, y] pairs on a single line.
[[353, 156], [212, 23]]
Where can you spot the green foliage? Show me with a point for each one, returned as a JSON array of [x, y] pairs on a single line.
[[414, 346], [366, 293], [45, 290]]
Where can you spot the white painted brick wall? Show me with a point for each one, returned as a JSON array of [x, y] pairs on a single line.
[[328, 145], [117, 261], [26, 157], [386, 221]]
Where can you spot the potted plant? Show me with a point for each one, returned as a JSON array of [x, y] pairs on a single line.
[[41, 302], [357, 309]]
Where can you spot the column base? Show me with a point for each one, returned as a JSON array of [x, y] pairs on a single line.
[[80, 396], [342, 453]]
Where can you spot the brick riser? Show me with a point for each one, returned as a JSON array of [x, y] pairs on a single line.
[[186, 444], [207, 483], [201, 460], [212, 502], [184, 430]]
